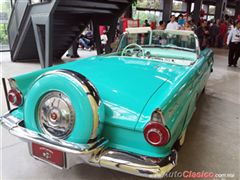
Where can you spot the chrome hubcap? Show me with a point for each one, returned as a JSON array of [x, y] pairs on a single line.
[[56, 114]]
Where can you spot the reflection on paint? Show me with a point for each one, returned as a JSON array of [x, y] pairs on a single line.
[[120, 112]]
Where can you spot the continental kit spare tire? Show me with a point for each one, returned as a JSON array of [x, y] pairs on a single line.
[[64, 104]]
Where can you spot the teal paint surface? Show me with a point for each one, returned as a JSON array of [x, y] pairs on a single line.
[[131, 89]]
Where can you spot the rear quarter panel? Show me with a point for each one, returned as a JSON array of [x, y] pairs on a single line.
[[177, 98]]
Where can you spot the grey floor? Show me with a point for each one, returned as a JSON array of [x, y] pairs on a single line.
[[212, 142]]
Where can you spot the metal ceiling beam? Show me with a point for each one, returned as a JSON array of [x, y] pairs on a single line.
[[76, 10], [196, 11], [237, 7], [167, 9], [89, 4], [220, 9]]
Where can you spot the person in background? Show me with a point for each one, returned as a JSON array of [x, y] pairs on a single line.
[[233, 42], [213, 32], [162, 25], [146, 23], [202, 34], [222, 33], [192, 24], [181, 21], [187, 26], [218, 22], [173, 25], [230, 25], [102, 29], [84, 43], [104, 40], [89, 36], [72, 51]]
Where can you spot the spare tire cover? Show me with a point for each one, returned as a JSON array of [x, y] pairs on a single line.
[[65, 82]]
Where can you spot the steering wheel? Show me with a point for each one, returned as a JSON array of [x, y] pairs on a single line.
[[124, 52]]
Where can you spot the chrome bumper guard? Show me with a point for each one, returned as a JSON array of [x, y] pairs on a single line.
[[96, 154]]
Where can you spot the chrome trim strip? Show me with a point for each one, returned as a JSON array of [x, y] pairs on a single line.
[[95, 154], [89, 87], [6, 93], [137, 165], [159, 111]]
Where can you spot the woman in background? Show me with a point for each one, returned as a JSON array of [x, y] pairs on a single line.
[[162, 25], [187, 26]]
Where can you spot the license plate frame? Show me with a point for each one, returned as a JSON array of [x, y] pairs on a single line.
[[48, 155]]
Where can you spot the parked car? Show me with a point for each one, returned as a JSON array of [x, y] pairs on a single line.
[[127, 111]]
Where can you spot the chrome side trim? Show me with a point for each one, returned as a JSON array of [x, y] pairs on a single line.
[[95, 154], [6, 93], [159, 111], [79, 78]]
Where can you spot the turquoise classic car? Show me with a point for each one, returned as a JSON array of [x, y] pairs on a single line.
[[127, 111]]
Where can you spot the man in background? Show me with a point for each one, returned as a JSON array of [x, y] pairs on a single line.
[[202, 34], [223, 28], [233, 42], [172, 25]]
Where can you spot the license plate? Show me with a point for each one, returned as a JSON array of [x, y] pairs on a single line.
[[49, 155]]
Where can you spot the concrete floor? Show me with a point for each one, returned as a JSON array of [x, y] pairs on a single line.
[[212, 142]]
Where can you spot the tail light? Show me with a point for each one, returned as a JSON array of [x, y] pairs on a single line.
[[156, 134], [15, 97]]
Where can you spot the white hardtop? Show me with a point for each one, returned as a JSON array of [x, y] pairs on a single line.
[[136, 30]]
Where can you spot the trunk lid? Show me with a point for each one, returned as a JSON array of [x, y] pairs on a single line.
[[124, 84]]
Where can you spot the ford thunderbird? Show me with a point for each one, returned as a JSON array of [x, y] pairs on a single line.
[[126, 111]]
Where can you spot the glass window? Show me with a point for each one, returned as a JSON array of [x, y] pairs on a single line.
[[210, 18], [150, 4], [158, 16], [161, 4], [205, 8], [163, 38], [192, 7], [5, 7], [212, 9], [230, 11], [152, 45], [176, 14], [142, 3], [179, 6], [149, 15], [174, 40], [38, 1]]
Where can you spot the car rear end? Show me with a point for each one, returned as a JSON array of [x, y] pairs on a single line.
[[97, 148]]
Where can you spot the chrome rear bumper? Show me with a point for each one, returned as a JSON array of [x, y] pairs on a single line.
[[96, 154]]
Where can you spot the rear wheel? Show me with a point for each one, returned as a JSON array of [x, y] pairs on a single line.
[[180, 141], [204, 89]]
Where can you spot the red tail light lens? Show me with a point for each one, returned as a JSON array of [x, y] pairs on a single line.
[[156, 134], [15, 97]]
